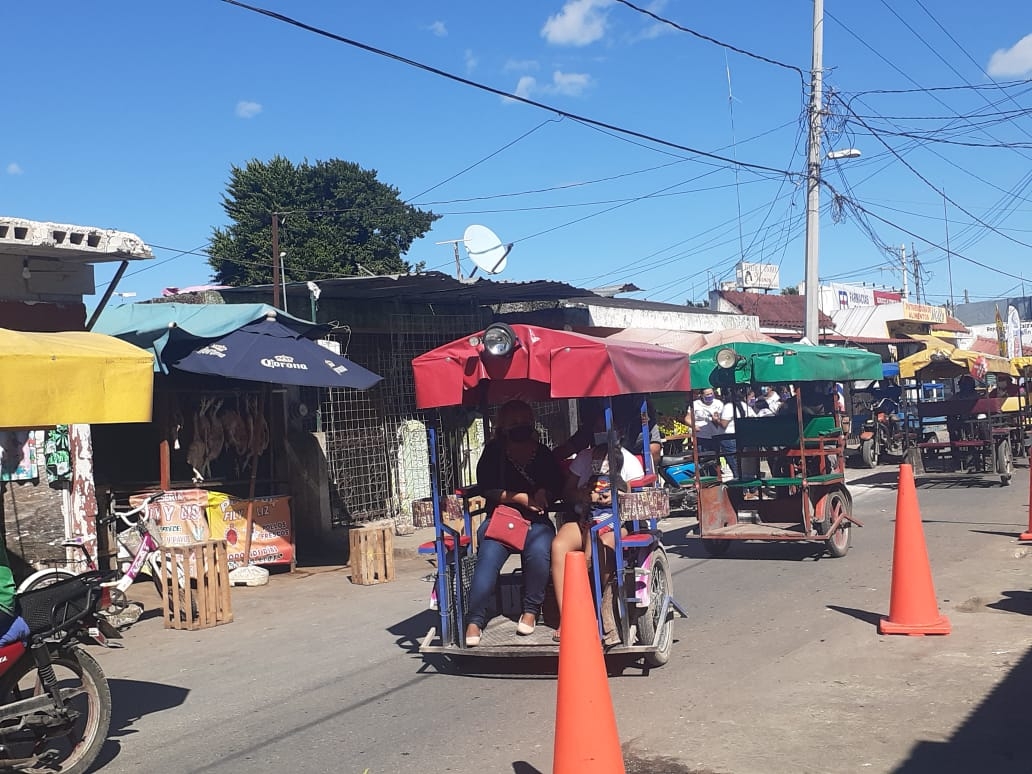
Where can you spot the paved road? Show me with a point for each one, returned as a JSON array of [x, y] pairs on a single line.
[[779, 668]]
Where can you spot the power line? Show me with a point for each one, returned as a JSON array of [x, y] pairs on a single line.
[[714, 41], [498, 92], [486, 158]]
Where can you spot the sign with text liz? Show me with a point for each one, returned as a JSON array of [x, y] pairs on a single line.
[[272, 539]]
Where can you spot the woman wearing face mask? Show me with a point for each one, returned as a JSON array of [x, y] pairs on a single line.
[[515, 470], [705, 409]]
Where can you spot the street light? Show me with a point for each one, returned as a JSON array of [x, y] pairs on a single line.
[[845, 153]]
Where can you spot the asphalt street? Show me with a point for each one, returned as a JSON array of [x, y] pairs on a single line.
[[779, 667]]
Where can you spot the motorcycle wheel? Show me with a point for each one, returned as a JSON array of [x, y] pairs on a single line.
[[868, 453], [78, 743], [660, 585]]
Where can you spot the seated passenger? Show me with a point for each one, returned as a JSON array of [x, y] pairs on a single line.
[[966, 388], [1005, 388], [590, 488], [516, 470]]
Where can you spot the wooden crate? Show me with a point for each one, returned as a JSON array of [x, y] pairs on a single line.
[[205, 600], [372, 554]]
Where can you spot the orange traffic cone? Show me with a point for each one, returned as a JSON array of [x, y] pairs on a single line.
[[912, 607], [1028, 535], [586, 739]]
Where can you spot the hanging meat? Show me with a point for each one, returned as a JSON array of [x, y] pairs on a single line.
[[259, 432], [215, 441], [236, 435], [197, 452]]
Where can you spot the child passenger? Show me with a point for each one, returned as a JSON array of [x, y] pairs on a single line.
[[590, 487]]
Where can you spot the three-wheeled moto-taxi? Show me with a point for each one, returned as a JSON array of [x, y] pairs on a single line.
[[533, 364], [969, 433], [802, 494]]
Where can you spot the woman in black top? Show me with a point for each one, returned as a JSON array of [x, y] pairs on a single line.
[[516, 470]]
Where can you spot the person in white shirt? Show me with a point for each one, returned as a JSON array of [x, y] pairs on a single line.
[[591, 487], [705, 409], [726, 422]]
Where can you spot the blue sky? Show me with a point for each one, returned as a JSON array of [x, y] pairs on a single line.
[[129, 115]]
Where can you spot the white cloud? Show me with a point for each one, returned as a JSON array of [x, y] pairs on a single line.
[[14, 168], [578, 23], [471, 61], [439, 29], [566, 84], [1014, 61], [526, 86], [570, 84], [247, 109], [520, 65]]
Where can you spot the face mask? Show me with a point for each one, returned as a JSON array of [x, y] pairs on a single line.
[[752, 401], [707, 398], [520, 433]]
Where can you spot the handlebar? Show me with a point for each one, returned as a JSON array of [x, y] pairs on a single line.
[[124, 515]]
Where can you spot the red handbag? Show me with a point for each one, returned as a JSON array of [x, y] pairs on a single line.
[[509, 527]]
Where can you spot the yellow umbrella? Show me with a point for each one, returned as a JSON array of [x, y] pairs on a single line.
[[1023, 365], [51, 379], [946, 362]]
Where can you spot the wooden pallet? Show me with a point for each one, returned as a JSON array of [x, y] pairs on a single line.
[[205, 600], [372, 554]]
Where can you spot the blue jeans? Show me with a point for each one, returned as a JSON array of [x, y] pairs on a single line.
[[729, 450], [491, 555]]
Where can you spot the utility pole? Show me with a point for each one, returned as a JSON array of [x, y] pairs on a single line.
[[811, 328], [903, 263], [275, 261], [917, 273], [949, 261]]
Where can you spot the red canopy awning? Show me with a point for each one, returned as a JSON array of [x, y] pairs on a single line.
[[545, 364]]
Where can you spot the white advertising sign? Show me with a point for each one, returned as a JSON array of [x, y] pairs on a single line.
[[1013, 332], [765, 276], [849, 296]]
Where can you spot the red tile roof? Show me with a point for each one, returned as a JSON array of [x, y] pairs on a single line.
[[985, 346], [775, 311], [952, 325]]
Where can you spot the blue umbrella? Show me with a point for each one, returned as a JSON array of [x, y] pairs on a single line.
[[265, 351]]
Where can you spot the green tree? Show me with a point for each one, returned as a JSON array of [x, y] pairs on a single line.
[[334, 216], [790, 291]]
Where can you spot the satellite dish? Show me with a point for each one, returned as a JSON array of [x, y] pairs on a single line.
[[485, 249]]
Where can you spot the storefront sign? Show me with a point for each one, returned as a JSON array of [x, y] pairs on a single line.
[[849, 296], [179, 516], [924, 313], [272, 537], [887, 297], [758, 275]]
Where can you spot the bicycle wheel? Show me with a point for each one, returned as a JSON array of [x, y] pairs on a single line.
[[43, 578], [74, 741]]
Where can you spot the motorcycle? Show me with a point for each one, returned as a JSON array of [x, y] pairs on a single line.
[[882, 433], [678, 476], [55, 702]]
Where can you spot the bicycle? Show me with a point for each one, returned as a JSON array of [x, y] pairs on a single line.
[[146, 551]]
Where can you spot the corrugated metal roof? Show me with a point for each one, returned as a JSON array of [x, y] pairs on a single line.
[[431, 286]]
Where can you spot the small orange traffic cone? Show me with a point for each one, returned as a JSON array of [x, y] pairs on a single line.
[[1028, 535], [912, 607], [586, 739]]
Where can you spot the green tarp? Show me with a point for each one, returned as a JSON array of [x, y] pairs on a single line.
[[147, 325], [787, 363]]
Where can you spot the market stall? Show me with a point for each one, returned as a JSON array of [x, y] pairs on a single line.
[[218, 441]]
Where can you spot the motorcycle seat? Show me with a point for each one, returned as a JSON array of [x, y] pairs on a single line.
[[666, 462]]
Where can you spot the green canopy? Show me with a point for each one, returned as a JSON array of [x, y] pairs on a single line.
[[762, 363]]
